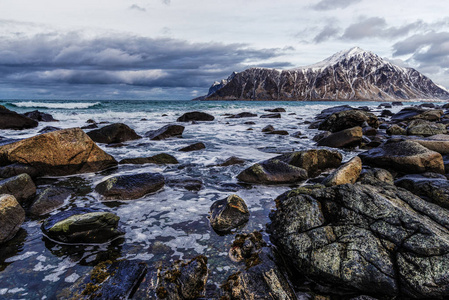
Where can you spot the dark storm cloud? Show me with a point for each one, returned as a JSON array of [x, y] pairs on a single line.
[[334, 4], [429, 50], [70, 59], [137, 7]]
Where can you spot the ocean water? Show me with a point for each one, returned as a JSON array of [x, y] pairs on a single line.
[[172, 223]]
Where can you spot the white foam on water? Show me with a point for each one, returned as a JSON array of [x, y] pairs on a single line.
[[65, 105], [21, 257], [72, 278]]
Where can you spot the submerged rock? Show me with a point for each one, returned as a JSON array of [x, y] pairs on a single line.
[[133, 186], [21, 187], [346, 138], [183, 280], [242, 115], [47, 129], [405, 157], [63, 152], [12, 216], [272, 171], [363, 239], [233, 160], [82, 225], [113, 133], [165, 132], [348, 119], [48, 200], [12, 120], [278, 109], [195, 116], [159, 159], [193, 147], [187, 183], [347, 173], [228, 213], [271, 116]]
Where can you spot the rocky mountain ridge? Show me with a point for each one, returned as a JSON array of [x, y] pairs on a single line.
[[354, 74]]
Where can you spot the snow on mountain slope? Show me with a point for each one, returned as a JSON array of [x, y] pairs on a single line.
[[354, 74]]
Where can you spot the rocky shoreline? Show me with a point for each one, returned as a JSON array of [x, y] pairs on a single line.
[[372, 227]]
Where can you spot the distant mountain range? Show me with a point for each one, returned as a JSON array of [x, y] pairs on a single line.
[[354, 74]]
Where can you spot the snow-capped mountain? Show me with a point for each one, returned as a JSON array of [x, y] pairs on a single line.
[[354, 74]]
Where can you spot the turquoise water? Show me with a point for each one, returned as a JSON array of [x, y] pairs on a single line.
[[170, 224]]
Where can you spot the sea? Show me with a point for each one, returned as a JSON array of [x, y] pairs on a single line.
[[171, 224]]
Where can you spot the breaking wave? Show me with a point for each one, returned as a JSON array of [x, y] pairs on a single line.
[[68, 105]]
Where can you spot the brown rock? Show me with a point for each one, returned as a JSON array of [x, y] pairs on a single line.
[[347, 173], [343, 139], [12, 216], [438, 143], [63, 152]]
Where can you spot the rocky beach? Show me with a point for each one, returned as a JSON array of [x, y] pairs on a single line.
[[224, 200]]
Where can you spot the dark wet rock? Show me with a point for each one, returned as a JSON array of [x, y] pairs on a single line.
[[348, 119], [373, 141], [193, 147], [159, 159], [187, 183], [264, 280], [109, 280], [347, 173], [90, 126], [40, 116], [250, 123], [375, 176], [313, 161], [12, 216], [49, 129], [195, 116], [125, 187], [411, 113], [386, 105], [271, 116], [21, 187], [165, 132], [405, 157], [90, 121], [48, 200], [434, 189], [113, 133], [12, 120], [396, 130], [17, 169], [63, 152], [247, 247], [272, 171], [233, 160], [396, 103], [386, 113], [274, 110], [183, 280], [268, 128], [427, 105], [438, 143], [82, 225], [347, 138], [278, 132], [116, 145], [363, 239], [242, 115], [369, 131], [425, 128], [321, 136], [228, 213], [325, 113]]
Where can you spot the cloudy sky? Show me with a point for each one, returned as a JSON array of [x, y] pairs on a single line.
[[175, 49]]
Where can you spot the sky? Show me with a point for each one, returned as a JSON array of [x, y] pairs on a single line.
[[176, 49]]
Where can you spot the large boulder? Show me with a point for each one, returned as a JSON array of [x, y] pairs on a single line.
[[346, 138], [12, 120], [21, 187], [113, 133], [63, 152], [125, 187], [165, 132], [404, 157], [396, 130], [363, 239], [48, 200], [82, 225], [228, 213], [325, 113], [272, 171], [183, 280], [40, 116], [12, 216], [432, 188], [158, 159], [438, 143], [348, 119], [347, 173], [413, 113], [425, 128], [195, 116]]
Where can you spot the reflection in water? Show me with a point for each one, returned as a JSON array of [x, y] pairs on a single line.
[[12, 248]]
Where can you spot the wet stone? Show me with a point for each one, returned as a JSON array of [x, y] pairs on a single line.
[[228, 213], [12, 216]]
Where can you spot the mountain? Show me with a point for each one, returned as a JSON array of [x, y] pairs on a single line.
[[354, 74]]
